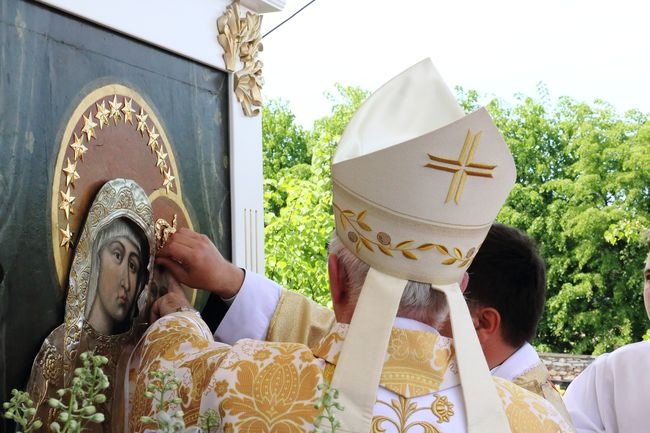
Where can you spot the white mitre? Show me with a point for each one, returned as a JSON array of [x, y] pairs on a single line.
[[416, 186]]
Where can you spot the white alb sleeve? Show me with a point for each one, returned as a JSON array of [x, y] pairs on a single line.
[[585, 400], [251, 311]]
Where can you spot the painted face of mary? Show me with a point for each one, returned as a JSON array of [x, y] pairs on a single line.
[[117, 276]]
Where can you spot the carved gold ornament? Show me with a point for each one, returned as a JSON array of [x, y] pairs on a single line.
[[363, 236], [240, 39], [163, 230], [462, 166]]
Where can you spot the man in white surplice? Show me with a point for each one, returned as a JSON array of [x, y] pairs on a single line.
[[612, 395]]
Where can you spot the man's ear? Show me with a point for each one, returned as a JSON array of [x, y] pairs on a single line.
[[487, 322], [338, 280], [464, 282]]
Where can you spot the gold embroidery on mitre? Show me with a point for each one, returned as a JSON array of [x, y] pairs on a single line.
[[360, 234], [415, 365], [462, 167]]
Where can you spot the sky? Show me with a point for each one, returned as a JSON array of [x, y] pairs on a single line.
[[583, 49]]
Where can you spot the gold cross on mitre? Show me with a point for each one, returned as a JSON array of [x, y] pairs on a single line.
[[462, 167]]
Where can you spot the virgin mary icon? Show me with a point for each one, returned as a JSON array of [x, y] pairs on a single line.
[[107, 298]]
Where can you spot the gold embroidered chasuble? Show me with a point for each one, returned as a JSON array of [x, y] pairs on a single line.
[[537, 380], [299, 320], [272, 387]]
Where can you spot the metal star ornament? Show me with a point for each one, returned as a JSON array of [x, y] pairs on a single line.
[[160, 163], [153, 138], [66, 238], [168, 182], [128, 110], [79, 148], [66, 203], [70, 173], [89, 126], [115, 109], [142, 122], [102, 114]]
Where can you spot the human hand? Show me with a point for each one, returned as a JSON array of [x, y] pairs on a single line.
[[193, 260], [174, 300]]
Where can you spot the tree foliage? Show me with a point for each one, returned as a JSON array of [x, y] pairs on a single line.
[[298, 197], [583, 192]]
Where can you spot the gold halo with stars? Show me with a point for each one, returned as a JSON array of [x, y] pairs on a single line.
[[111, 133]]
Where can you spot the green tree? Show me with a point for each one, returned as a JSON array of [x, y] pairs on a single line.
[[296, 236], [285, 148], [583, 192]]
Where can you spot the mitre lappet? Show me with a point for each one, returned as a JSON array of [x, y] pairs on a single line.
[[416, 186]]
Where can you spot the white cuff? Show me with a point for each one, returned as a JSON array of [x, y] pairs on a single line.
[[251, 311]]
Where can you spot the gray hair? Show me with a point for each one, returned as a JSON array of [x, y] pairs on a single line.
[[419, 301], [115, 229]]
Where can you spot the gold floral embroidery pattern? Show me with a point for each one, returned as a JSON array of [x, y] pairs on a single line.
[[201, 372], [414, 365], [168, 342], [360, 233], [527, 412], [276, 395], [416, 361], [442, 408], [330, 346], [172, 343], [272, 387], [404, 409]]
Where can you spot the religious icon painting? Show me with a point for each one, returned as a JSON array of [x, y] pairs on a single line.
[[107, 297], [112, 133], [116, 198], [88, 104]]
